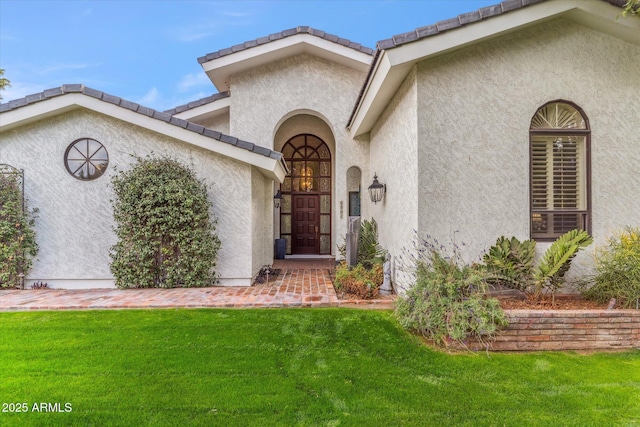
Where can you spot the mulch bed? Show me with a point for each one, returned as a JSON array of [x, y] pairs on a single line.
[[561, 303]]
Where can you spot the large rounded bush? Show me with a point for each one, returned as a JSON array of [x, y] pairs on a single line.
[[166, 237]]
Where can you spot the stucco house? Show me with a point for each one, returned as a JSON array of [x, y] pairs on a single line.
[[519, 119]]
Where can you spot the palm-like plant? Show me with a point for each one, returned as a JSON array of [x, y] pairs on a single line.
[[557, 259], [369, 250], [509, 263]]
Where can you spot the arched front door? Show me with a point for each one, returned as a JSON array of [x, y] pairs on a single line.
[[305, 213]]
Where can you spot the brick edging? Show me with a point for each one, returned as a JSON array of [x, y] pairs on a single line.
[[531, 330]]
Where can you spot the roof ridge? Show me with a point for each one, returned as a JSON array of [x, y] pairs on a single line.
[[303, 29], [198, 102], [137, 108]]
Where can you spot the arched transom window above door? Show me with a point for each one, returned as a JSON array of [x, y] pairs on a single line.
[[305, 214], [560, 170]]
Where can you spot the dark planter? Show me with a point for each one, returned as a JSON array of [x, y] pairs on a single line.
[[281, 248]]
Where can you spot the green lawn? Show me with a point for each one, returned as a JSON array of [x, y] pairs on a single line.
[[290, 367]]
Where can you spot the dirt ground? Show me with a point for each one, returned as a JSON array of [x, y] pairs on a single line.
[[561, 303]]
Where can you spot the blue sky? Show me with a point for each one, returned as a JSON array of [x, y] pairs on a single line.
[[146, 51]]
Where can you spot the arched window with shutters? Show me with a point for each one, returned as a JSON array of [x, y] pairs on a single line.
[[560, 167]]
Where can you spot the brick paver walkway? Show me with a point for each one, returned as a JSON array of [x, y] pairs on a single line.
[[296, 287]]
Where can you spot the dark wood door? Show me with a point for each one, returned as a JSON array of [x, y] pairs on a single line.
[[306, 214]]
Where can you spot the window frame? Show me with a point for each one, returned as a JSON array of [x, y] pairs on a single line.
[[561, 132], [87, 159]]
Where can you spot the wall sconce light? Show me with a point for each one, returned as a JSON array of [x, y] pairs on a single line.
[[377, 190], [276, 199]]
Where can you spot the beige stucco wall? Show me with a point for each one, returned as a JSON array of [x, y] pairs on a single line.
[[262, 244], [475, 108], [75, 226], [268, 97], [394, 153], [218, 122]]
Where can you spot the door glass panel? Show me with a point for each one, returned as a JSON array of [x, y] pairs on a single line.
[[286, 203], [313, 169], [325, 244], [324, 152], [296, 184], [325, 185], [286, 186], [285, 224], [325, 169], [325, 224], [288, 241], [325, 204], [308, 184], [298, 169]]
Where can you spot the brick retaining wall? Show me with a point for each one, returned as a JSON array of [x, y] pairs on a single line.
[[531, 330]]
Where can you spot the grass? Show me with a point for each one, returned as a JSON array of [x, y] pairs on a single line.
[[291, 367]]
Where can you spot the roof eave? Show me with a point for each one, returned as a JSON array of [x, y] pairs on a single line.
[[268, 162], [222, 68], [212, 109], [396, 62]]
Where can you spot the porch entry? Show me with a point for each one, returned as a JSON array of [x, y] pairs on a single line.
[[305, 212]]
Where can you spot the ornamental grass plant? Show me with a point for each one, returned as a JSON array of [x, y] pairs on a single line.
[[617, 266], [448, 301]]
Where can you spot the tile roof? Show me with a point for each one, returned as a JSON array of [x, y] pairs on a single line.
[[459, 21], [136, 108], [198, 103], [283, 34], [463, 19], [442, 26]]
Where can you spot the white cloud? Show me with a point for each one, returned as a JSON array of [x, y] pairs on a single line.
[[212, 24], [193, 81], [237, 14], [193, 37], [6, 37], [19, 90], [187, 99], [149, 98], [64, 67]]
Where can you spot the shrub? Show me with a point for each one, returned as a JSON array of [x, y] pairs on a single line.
[[369, 250], [448, 300], [509, 263], [618, 270], [166, 237], [18, 244], [360, 281]]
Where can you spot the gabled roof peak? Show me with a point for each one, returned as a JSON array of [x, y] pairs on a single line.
[[281, 35], [223, 64]]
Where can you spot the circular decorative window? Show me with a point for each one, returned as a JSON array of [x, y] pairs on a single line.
[[86, 159]]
